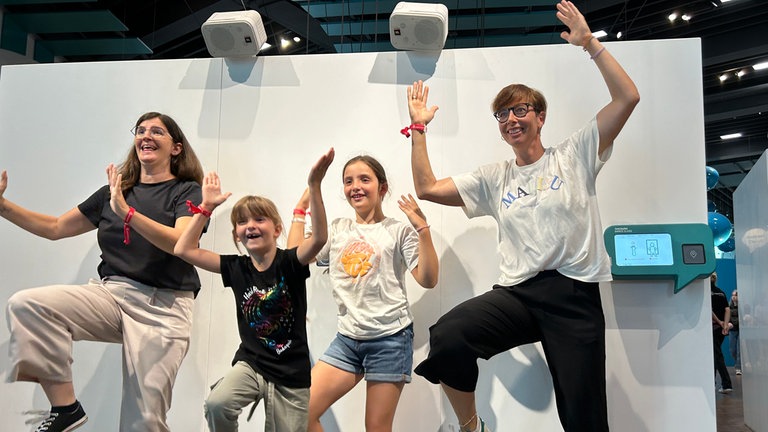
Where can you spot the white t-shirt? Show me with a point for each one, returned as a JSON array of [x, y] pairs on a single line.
[[547, 211], [367, 264]]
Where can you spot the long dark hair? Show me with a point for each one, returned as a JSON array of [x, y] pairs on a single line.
[[184, 166]]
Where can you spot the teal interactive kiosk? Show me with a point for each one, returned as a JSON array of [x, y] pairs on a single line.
[[682, 252]]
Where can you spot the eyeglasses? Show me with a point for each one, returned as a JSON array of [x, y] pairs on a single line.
[[519, 110], [155, 131]]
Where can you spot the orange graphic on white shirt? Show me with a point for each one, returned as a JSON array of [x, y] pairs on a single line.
[[356, 258]]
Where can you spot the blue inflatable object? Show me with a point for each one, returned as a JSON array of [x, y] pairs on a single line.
[[711, 206], [728, 245], [721, 227], [712, 177]]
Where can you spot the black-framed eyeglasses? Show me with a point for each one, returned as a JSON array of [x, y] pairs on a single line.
[[519, 110], [154, 131]]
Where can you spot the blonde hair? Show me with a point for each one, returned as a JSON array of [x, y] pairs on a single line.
[[253, 206]]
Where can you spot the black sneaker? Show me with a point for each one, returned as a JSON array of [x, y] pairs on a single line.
[[64, 421]]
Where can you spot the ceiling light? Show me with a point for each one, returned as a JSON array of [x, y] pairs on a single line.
[[723, 77], [296, 39], [741, 73], [685, 17], [760, 66], [731, 136], [672, 17], [284, 43], [600, 34], [619, 35], [266, 46]]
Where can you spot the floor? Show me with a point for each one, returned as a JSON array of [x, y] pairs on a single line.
[[730, 408]]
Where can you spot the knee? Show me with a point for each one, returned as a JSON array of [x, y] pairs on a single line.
[[218, 407], [445, 337]]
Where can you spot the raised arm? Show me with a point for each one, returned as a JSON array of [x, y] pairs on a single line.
[[624, 95], [308, 249], [69, 224], [426, 272], [296, 232], [427, 186], [162, 236], [188, 246]]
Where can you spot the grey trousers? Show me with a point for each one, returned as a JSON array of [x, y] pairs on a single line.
[[286, 408], [153, 325]]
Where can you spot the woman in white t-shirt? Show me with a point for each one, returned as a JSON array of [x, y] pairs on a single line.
[[552, 254], [368, 257]]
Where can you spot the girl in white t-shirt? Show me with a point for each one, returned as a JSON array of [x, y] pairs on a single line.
[[367, 258]]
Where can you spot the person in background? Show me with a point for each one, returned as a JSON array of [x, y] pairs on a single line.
[[269, 285], [144, 296], [733, 331], [550, 242], [721, 317]]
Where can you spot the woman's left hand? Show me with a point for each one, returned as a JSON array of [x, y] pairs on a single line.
[[420, 113], [579, 33], [116, 198]]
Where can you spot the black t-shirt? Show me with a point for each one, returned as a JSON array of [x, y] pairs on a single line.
[[719, 303], [140, 260], [271, 316]]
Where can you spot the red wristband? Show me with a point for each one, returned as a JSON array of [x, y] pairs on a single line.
[[126, 226], [299, 211], [417, 127], [197, 209]]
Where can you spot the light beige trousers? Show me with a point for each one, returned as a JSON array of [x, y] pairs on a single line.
[[152, 324]]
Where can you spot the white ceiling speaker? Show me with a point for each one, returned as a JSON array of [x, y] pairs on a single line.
[[234, 34], [418, 26]]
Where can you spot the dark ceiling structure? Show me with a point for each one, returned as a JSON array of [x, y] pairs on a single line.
[[734, 37]]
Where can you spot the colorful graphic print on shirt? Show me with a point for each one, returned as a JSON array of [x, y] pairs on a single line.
[[358, 258], [269, 313]]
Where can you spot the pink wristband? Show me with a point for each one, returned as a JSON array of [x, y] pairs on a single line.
[[417, 127]]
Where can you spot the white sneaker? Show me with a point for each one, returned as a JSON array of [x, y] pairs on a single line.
[[725, 390], [738, 371]]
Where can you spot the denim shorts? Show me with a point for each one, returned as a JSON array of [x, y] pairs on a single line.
[[385, 359]]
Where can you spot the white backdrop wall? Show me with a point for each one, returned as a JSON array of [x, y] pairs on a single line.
[[751, 233], [262, 123]]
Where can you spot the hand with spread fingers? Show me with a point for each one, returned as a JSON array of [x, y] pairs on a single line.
[[418, 109]]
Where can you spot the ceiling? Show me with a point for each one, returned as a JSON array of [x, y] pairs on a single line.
[[734, 36]]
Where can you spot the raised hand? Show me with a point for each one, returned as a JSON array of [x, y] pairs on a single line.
[[317, 173], [579, 33], [304, 200], [116, 199], [212, 195], [3, 183], [410, 207], [417, 104]]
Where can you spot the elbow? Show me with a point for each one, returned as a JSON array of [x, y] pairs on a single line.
[[179, 251], [633, 99], [429, 284]]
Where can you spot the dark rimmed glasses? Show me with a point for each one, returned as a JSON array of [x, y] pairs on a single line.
[[519, 110], [154, 131]]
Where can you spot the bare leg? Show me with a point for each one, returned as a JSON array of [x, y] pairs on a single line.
[[329, 384], [463, 404], [59, 393], [380, 405]]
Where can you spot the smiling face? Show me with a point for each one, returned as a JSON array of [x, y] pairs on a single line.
[[525, 131], [362, 188], [154, 145], [258, 234], [256, 224], [518, 131]]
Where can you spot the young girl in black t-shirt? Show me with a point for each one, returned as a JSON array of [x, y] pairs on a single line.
[[269, 283]]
